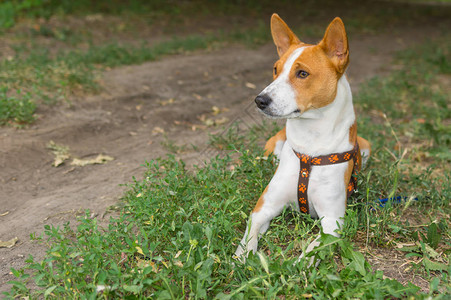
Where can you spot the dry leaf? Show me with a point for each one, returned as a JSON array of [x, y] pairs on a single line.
[[178, 263], [100, 159], [209, 122], [202, 117], [251, 85], [61, 153], [139, 250], [216, 110], [142, 264], [166, 102], [8, 244], [68, 171], [198, 97], [221, 121], [157, 130]]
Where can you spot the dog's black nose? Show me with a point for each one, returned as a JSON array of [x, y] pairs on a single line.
[[263, 101]]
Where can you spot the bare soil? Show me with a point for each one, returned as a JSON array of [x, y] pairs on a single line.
[[132, 121]]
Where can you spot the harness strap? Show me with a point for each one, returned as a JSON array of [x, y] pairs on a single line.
[[307, 161]]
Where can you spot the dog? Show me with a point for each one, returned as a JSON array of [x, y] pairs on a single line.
[[318, 150]]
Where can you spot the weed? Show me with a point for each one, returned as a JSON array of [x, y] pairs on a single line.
[[19, 108], [172, 147]]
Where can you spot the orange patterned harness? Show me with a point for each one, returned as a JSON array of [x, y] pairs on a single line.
[[323, 160]]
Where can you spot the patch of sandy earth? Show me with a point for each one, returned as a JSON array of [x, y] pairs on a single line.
[[121, 123]]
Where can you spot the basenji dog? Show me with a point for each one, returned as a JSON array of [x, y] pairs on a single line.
[[319, 150]]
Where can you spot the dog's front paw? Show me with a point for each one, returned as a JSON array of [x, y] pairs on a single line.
[[244, 248], [240, 254]]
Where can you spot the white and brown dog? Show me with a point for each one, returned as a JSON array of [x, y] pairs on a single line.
[[319, 149]]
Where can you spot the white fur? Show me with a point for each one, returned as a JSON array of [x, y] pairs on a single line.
[[278, 148]]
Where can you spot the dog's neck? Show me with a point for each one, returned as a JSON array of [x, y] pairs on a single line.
[[325, 130]]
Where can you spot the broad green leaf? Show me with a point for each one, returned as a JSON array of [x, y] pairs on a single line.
[[433, 235], [264, 262], [208, 233], [49, 291], [435, 266], [135, 289], [408, 248]]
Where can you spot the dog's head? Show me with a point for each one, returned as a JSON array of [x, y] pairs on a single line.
[[305, 76]]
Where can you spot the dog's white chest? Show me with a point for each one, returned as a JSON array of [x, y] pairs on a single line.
[[326, 188]]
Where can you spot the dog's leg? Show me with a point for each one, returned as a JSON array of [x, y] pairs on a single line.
[[271, 203], [275, 143], [328, 197], [258, 224], [365, 149], [278, 194]]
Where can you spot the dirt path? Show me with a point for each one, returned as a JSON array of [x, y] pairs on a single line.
[[126, 122]]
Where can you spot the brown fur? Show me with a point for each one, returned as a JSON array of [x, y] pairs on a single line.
[[325, 62], [271, 143], [260, 201]]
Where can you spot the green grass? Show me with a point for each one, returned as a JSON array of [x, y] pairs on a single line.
[[409, 109], [175, 237], [11, 10], [177, 229], [370, 17], [18, 109]]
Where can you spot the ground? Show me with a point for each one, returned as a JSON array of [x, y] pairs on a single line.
[[134, 120]]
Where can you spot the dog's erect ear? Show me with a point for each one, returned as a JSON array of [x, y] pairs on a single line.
[[282, 35], [335, 44]]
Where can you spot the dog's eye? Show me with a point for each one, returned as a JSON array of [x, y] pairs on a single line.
[[275, 70], [302, 74]]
